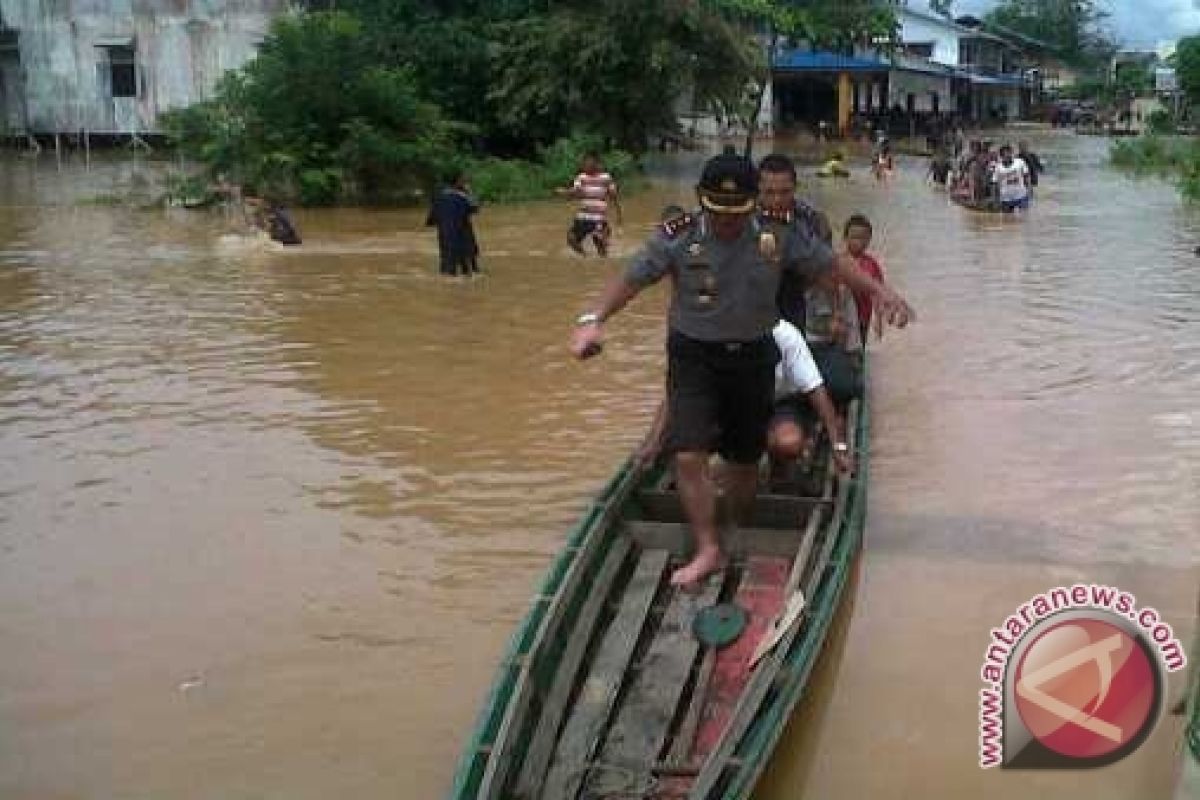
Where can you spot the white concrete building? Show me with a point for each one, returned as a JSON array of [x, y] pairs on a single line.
[[940, 67], [112, 66], [990, 81]]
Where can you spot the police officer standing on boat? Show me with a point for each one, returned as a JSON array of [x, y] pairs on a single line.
[[721, 355]]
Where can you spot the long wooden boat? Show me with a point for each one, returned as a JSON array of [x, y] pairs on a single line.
[[989, 206], [607, 692]]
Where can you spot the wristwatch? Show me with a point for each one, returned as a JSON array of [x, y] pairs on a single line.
[[590, 318], [841, 447]]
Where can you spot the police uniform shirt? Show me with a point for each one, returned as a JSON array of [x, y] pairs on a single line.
[[725, 291]]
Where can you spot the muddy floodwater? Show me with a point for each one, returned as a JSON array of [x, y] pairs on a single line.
[[268, 518]]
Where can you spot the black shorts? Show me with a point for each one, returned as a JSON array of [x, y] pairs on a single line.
[[582, 228], [720, 396]]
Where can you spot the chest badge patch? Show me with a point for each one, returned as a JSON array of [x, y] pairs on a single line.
[[694, 249]]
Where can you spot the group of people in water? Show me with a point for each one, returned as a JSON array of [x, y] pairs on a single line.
[[766, 328], [986, 177]]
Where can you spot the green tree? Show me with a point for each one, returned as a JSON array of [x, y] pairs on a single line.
[[314, 116], [1186, 61], [566, 69], [1071, 27]]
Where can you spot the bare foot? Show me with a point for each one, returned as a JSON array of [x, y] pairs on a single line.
[[706, 561]]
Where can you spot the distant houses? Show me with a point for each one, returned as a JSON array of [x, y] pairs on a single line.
[[940, 67], [112, 67]]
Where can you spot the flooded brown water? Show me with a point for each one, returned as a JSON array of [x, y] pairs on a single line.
[[267, 519]]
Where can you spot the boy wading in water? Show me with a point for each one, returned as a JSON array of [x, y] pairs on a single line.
[[595, 189]]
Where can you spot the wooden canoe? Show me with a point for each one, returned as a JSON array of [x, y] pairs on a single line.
[[984, 206], [606, 693]]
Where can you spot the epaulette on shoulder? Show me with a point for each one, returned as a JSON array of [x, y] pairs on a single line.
[[672, 228], [779, 215]]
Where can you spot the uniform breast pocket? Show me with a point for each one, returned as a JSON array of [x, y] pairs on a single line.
[[763, 280], [698, 286]]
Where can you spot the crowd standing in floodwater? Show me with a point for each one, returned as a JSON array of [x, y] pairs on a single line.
[[988, 178]]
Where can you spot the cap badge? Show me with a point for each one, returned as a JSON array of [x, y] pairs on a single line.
[[729, 185]]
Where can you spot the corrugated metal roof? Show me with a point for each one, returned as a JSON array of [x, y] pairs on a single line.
[[807, 61]]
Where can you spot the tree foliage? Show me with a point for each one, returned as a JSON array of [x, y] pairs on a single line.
[[569, 68], [314, 115], [373, 97], [1186, 61], [1073, 28]]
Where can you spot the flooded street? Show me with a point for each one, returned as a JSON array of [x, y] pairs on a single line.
[[267, 519]]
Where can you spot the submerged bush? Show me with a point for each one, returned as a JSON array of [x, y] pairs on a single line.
[[1177, 158], [503, 179]]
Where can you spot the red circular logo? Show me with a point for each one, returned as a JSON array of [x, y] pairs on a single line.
[[1085, 688]]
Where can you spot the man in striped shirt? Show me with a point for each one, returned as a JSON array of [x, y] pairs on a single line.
[[594, 188]]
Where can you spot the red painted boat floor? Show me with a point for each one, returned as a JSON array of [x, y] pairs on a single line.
[[760, 593]]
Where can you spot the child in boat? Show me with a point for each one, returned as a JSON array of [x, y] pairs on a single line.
[[857, 235]]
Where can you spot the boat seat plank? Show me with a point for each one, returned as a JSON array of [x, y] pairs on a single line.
[[554, 708], [598, 694], [736, 542], [770, 511], [643, 721]]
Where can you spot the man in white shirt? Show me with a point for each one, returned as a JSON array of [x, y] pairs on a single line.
[[1011, 176], [798, 383], [798, 387]]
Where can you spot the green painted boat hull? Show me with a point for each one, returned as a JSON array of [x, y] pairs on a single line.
[[501, 737]]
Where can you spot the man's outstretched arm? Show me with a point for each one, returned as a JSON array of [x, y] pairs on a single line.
[[588, 336], [892, 307]]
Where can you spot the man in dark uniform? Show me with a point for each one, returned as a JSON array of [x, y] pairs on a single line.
[[721, 354]]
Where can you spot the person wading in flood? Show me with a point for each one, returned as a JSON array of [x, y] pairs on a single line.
[[721, 355], [595, 189], [272, 218], [451, 213]]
